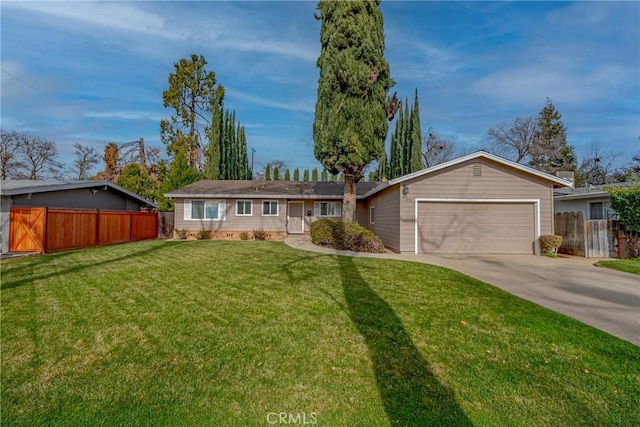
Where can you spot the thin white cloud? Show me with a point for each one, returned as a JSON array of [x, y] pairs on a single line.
[[125, 115], [305, 107]]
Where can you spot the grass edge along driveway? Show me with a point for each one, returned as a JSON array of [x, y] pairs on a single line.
[[225, 333]]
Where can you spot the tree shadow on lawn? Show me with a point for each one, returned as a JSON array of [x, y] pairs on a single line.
[[411, 394], [30, 279]]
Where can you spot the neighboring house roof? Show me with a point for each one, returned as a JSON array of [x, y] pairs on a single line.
[[269, 189], [589, 192], [27, 186]]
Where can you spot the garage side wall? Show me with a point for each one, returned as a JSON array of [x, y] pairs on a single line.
[[476, 179], [387, 217]]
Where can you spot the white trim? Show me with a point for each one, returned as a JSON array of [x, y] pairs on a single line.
[[289, 217], [270, 201], [372, 207], [536, 214], [337, 209], [244, 201]]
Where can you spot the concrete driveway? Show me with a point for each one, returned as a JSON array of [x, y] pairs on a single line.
[[603, 298]]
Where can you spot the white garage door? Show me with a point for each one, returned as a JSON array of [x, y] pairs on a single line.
[[476, 227]]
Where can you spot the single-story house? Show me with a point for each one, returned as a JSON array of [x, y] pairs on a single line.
[[478, 203], [102, 195], [592, 200]]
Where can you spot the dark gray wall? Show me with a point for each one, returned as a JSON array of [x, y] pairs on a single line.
[[78, 199]]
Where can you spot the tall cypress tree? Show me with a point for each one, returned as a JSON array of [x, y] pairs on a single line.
[[314, 175], [351, 111], [276, 174], [305, 175], [415, 163], [267, 172], [324, 176], [287, 175], [212, 155]]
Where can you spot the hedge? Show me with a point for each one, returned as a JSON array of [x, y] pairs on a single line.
[[349, 236]]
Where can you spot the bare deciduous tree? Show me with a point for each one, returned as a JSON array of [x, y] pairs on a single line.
[[10, 154], [86, 158], [39, 157], [514, 142], [598, 166], [437, 149]]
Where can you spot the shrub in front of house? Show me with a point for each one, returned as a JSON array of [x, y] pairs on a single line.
[[550, 243], [203, 234], [260, 234], [182, 233], [349, 236], [244, 235]]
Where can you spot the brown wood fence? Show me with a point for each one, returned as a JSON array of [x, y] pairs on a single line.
[[593, 239], [165, 224], [56, 229]]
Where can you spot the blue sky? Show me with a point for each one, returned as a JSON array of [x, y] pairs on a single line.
[[95, 72]]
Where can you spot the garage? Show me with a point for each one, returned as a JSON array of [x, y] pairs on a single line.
[[476, 226]]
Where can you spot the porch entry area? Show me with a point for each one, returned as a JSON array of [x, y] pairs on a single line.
[[295, 219]]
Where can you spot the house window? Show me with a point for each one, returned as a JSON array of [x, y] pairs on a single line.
[[270, 208], [212, 210], [328, 209], [244, 208], [596, 210], [372, 215]]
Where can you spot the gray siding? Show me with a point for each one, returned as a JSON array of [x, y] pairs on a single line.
[[387, 217], [232, 222], [582, 205], [5, 204], [458, 182]]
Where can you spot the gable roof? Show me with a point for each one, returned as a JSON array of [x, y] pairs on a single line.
[[27, 186], [558, 182], [269, 189]]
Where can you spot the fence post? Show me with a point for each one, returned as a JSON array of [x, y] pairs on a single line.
[[44, 230]]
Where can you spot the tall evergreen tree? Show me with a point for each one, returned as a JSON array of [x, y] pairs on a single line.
[[296, 174], [314, 175], [179, 175], [305, 175], [276, 174], [351, 111], [267, 172], [551, 152], [415, 162], [287, 175], [212, 155], [324, 176]]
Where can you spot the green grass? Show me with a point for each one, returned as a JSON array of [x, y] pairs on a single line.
[[224, 333], [630, 265]]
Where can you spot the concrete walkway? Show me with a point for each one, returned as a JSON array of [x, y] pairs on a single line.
[[603, 298]]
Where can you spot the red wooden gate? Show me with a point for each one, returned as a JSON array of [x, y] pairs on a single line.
[[26, 232]]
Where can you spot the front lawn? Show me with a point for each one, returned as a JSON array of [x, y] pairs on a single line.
[[630, 265], [230, 333]]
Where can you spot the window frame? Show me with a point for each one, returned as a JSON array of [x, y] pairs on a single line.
[[206, 203], [244, 203], [271, 202], [603, 210], [372, 214], [337, 209]]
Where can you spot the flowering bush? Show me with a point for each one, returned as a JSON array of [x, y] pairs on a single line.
[[336, 234]]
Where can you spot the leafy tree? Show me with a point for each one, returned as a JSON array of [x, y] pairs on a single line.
[[267, 172], [314, 175], [276, 173], [296, 174], [85, 158], [516, 141], [626, 203], [10, 154], [287, 175], [179, 175], [352, 110], [212, 160], [111, 159], [191, 93], [137, 180], [551, 152]]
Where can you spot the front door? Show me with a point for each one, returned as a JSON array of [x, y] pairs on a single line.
[[296, 217]]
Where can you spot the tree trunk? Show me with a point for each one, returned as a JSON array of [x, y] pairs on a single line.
[[349, 199]]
